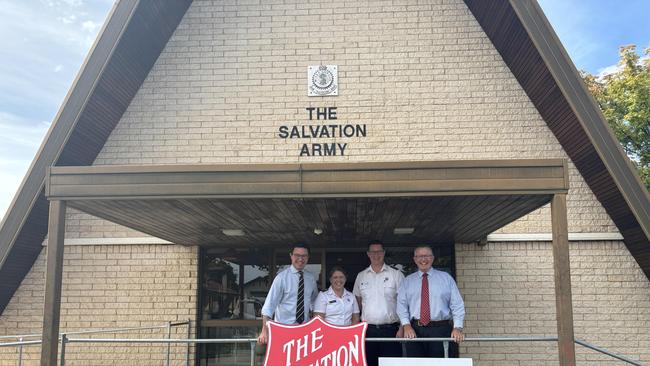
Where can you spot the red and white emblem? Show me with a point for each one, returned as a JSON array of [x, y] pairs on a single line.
[[316, 343]]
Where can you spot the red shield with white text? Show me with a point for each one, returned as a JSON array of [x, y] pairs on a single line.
[[316, 343]]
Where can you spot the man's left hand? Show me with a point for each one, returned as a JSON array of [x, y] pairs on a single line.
[[457, 335]]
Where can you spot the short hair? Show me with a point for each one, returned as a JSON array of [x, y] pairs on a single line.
[[375, 242], [337, 269], [423, 247], [300, 245]]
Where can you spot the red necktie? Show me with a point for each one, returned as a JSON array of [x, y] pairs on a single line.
[[425, 312]]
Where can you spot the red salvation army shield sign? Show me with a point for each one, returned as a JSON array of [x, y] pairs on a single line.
[[316, 343]]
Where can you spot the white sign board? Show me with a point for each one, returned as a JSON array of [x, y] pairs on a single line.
[[399, 361]]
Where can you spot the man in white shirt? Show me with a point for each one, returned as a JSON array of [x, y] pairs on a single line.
[[429, 306], [376, 291], [291, 295]]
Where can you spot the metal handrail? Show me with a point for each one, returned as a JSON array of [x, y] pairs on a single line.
[[253, 341], [467, 339], [609, 353], [21, 343], [63, 339], [114, 330]]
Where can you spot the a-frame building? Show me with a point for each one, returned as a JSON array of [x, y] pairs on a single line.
[[459, 120]]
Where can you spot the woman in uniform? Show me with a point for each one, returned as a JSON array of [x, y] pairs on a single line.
[[337, 305]]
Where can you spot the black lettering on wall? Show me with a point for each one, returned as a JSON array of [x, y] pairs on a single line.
[[322, 131], [283, 132]]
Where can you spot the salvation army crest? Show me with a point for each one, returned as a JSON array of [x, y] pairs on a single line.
[[316, 343], [322, 80]]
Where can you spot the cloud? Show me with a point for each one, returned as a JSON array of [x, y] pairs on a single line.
[[61, 3], [42, 46], [9, 181], [579, 42], [18, 132], [611, 69], [20, 139], [67, 19], [90, 26], [592, 31], [74, 3], [608, 70]]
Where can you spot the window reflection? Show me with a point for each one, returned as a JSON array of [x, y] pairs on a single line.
[[234, 288]]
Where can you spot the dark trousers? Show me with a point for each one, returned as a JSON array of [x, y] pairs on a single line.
[[428, 349], [374, 350]]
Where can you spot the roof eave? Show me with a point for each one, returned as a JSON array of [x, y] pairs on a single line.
[[530, 48], [586, 110]]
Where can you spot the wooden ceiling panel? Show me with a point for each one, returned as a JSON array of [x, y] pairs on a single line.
[[344, 221], [279, 204]]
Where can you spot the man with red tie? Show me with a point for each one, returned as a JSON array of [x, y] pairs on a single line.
[[429, 305]]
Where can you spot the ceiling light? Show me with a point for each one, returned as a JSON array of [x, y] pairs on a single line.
[[233, 232], [403, 230]]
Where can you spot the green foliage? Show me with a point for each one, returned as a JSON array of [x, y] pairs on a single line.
[[624, 97]]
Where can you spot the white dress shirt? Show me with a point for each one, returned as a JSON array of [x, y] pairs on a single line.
[[378, 293], [283, 296], [445, 301], [337, 310]]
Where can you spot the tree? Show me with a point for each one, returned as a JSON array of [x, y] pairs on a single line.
[[624, 97]]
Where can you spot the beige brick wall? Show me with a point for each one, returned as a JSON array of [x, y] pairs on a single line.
[[110, 287], [509, 291], [423, 76]]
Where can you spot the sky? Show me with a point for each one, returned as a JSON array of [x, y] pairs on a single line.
[[43, 44]]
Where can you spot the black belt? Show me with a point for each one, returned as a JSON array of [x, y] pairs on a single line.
[[432, 323], [384, 326]]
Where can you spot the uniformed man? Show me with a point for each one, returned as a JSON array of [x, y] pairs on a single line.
[[291, 295], [429, 306], [376, 291]]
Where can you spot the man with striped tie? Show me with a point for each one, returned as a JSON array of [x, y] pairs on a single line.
[[291, 295], [429, 305]]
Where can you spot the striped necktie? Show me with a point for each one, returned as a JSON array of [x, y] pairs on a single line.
[[300, 308]]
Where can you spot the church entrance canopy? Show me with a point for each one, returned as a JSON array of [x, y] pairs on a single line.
[[457, 201], [333, 205]]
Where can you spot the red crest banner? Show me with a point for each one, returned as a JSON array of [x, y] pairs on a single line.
[[316, 343]]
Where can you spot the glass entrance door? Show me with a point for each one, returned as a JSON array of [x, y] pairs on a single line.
[[235, 282]]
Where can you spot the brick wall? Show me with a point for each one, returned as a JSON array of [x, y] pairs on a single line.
[[509, 291], [110, 287], [423, 77]]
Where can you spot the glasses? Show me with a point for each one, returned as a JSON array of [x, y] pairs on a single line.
[[300, 256], [424, 256], [375, 252]]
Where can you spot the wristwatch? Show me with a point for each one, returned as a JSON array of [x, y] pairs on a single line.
[[460, 329]]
